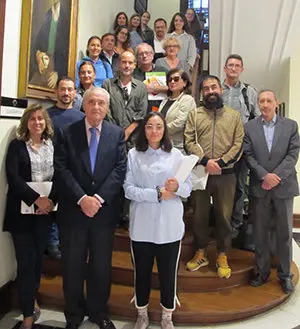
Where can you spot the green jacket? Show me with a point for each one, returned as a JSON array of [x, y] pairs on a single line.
[[215, 134]]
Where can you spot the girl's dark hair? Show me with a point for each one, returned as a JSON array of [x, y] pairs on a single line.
[[139, 28], [89, 41], [185, 23], [141, 142], [126, 44], [195, 24], [116, 25], [81, 65], [184, 77]]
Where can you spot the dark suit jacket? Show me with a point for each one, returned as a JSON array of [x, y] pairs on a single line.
[[281, 160], [75, 178], [18, 172]]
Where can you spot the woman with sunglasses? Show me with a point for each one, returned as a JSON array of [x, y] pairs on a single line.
[[156, 215], [122, 40], [177, 106]]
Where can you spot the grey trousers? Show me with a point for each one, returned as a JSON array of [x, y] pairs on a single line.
[[241, 171], [267, 212]]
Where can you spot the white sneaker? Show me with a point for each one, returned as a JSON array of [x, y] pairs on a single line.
[[166, 324], [142, 322]]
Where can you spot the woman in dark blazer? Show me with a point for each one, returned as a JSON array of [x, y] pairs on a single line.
[[29, 159]]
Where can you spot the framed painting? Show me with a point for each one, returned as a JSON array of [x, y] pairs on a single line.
[[48, 45]]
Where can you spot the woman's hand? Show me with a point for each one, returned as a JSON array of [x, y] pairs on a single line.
[[166, 195], [44, 204], [171, 184]]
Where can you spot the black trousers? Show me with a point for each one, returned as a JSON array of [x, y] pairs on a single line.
[[29, 250], [86, 255], [167, 258]]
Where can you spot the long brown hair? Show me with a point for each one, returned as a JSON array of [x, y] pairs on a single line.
[[23, 133]]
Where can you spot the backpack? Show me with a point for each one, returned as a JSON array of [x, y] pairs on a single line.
[[246, 99]]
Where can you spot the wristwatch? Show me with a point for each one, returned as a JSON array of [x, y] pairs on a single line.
[[159, 194]]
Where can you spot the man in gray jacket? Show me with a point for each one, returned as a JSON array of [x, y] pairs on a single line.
[[271, 147], [242, 98]]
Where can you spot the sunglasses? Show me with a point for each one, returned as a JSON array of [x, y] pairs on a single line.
[[176, 79]]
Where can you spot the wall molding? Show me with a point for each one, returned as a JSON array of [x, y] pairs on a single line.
[[6, 298]]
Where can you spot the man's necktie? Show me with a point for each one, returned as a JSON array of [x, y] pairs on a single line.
[[93, 147]]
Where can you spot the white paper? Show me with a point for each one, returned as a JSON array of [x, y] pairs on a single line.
[[187, 164], [43, 188], [199, 178]]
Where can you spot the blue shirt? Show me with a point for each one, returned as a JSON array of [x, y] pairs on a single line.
[[269, 127], [103, 71], [62, 117], [135, 39], [150, 220]]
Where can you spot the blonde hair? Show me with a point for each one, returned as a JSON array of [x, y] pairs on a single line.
[[23, 133], [171, 40]]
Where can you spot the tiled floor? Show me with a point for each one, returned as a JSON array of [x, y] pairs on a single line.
[[286, 316]]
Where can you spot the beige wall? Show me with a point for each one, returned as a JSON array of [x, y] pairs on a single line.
[[164, 9]]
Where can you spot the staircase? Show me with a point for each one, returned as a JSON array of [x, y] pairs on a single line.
[[204, 297]]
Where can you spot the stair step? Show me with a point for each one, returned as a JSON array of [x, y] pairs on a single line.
[[205, 279], [196, 308]]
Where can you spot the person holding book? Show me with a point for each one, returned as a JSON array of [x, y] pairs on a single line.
[[156, 215], [30, 159]]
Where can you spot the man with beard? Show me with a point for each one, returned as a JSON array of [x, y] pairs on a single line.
[[218, 144], [242, 98], [62, 114]]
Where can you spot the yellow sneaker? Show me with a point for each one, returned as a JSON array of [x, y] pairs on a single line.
[[197, 261], [223, 269]]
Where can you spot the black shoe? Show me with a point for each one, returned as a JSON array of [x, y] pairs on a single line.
[[258, 280], [106, 323], [287, 285], [53, 252]]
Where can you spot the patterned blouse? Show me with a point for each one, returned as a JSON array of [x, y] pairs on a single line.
[[41, 160]]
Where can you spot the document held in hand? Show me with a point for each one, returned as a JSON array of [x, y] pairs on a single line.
[[186, 166], [43, 188]]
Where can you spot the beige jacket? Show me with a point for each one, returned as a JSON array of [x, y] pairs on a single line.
[[176, 117], [220, 135]]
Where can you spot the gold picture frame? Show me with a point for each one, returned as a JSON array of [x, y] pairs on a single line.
[[47, 47]]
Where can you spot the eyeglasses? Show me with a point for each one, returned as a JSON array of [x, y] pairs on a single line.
[[176, 79], [123, 33], [236, 66], [172, 46], [157, 127], [144, 53]]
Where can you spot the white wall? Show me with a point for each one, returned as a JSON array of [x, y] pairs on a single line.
[[95, 17], [165, 9]]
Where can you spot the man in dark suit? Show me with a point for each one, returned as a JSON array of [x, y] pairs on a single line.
[[271, 148], [90, 164]]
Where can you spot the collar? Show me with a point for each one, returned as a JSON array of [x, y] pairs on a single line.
[[118, 81], [108, 55], [151, 151], [162, 40], [274, 120], [239, 84], [88, 126], [44, 141], [178, 35]]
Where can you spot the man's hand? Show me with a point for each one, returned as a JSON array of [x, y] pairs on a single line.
[[270, 181], [166, 195], [53, 77], [213, 168], [90, 206], [171, 184]]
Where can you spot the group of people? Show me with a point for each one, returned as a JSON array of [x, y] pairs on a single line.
[[113, 147]]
